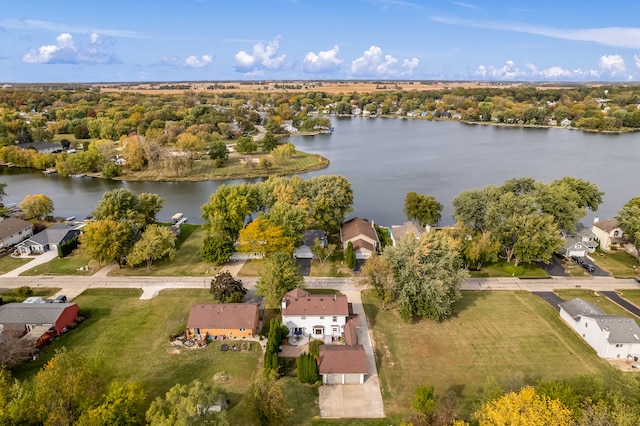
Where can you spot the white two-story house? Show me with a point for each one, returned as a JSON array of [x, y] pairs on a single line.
[[611, 336], [318, 316]]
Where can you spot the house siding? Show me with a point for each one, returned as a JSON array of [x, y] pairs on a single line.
[[308, 322], [230, 333]]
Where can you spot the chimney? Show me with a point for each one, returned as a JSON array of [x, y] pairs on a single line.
[[335, 297], [596, 219], [284, 303]]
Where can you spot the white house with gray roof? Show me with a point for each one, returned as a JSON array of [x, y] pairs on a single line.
[[49, 239], [611, 336], [13, 230]]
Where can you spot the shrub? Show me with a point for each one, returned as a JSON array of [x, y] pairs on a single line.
[[24, 291], [314, 347]]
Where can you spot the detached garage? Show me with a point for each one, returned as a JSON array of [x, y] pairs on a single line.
[[342, 365]]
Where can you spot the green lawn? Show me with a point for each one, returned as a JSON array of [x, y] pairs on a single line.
[[601, 302], [617, 262], [331, 268], [131, 336], [8, 263], [252, 268], [502, 269], [73, 264], [632, 296], [514, 337], [9, 296], [187, 261]]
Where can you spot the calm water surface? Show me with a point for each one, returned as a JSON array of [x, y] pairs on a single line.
[[386, 158]]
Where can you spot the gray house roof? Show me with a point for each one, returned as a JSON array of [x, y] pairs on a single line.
[[621, 329], [32, 313], [311, 234], [55, 234], [578, 307], [42, 146], [399, 231], [11, 225]]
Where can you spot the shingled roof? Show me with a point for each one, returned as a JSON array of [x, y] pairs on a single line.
[[341, 359], [223, 315], [11, 225], [32, 313], [621, 329], [300, 302], [578, 307]]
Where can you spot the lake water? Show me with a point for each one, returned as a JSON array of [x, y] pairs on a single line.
[[386, 158]]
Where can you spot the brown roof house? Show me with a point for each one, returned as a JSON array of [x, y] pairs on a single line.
[[223, 321], [318, 316], [342, 364], [608, 233], [13, 230], [397, 232], [362, 235]]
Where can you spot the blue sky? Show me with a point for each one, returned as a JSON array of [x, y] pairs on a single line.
[[187, 40]]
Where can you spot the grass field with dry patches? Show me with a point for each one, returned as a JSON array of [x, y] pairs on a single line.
[[513, 337]]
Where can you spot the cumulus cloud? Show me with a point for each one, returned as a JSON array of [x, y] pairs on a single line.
[[323, 61], [374, 63], [510, 71], [613, 64], [636, 58], [195, 62], [262, 57], [409, 65], [65, 51]]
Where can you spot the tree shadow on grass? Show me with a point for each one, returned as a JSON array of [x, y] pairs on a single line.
[[467, 301]]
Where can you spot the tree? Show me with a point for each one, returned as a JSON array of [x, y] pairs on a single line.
[[13, 351], [246, 145], [279, 276], [186, 405], [217, 248], [331, 200], [65, 386], [524, 408], [268, 142], [192, 145], [424, 209], [122, 204], [292, 219], [107, 240], [307, 368], [377, 274], [36, 206], [156, 242], [427, 275], [149, 205], [226, 289], [470, 207], [132, 152], [228, 208], [218, 151], [321, 252], [121, 405], [3, 191], [268, 400], [283, 152], [261, 237], [629, 219], [350, 256], [111, 170]]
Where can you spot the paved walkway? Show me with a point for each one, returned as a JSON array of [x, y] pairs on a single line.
[[37, 260], [355, 401], [622, 302]]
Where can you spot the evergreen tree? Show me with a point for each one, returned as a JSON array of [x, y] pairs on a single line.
[[350, 256]]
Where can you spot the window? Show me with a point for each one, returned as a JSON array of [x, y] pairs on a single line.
[[243, 329], [619, 345], [318, 331], [586, 324], [321, 317], [303, 317], [335, 319], [615, 233]]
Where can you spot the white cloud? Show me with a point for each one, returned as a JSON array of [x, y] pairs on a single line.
[[614, 64], [556, 72], [195, 62], [94, 38], [636, 58], [66, 52], [409, 65], [373, 63], [170, 60], [627, 37], [509, 71], [323, 61], [261, 58]]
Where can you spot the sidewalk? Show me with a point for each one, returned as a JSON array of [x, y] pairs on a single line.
[[37, 260]]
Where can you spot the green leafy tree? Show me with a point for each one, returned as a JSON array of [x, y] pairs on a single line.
[[307, 368], [123, 404], [283, 152], [350, 256], [226, 289], [268, 400], [331, 200], [321, 252], [107, 240], [218, 151], [629, 219], [217, 248], [156, 242], [186, 405], [228, 208], [424, 209], [111, 170], [3, 191], [192, 145], [378, 275], [268, 142], [246, 145], [279, 276], [292, 220], [427, 275], [122, 204], [36, 206]]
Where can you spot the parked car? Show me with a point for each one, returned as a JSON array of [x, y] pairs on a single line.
[[61, 299], [637, 279], [589, 267]]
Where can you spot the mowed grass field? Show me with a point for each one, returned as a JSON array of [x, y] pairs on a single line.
[[131, 337], [513, 337]]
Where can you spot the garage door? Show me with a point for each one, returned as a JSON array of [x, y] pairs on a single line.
[[334, 379], [352, 379]]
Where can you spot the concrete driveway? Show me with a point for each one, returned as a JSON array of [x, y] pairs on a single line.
[[36, 260], [355, 401]]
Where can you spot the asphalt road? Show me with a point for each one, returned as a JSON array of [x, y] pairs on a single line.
[[624, 303]]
